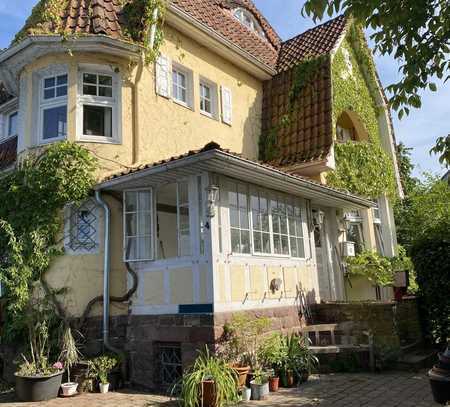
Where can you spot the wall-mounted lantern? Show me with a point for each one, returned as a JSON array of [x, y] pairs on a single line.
[[213, 193]]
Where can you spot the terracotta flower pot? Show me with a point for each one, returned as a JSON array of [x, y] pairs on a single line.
[[209, 394], [242, 372], [274, 383]]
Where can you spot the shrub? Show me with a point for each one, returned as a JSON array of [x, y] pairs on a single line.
[[431, 257]]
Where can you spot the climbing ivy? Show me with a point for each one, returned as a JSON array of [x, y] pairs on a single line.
[[137, 17], [33, 197], [363, 168]]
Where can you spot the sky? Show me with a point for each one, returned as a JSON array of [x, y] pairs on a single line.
[[419, 130]]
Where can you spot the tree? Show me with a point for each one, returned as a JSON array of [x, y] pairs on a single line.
[[417, 33]]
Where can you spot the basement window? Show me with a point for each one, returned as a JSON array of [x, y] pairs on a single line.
[[171, 368]]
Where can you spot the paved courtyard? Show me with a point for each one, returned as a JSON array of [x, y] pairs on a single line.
[[335, 390]]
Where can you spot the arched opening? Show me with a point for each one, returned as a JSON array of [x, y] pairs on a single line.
[[350, 128]]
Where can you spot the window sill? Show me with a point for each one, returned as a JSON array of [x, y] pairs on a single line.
[[209, 115], [50, 141], [98, 140], [182, 104]]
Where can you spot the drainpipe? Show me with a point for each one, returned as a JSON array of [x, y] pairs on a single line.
[[151, 42], [106, 271]]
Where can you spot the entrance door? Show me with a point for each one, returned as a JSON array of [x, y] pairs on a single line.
[[322, 254]]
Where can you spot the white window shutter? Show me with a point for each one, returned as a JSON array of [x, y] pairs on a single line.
[[227, 105], [163, 76]]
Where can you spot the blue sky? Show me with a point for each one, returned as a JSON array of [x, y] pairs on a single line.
[[419, 130]]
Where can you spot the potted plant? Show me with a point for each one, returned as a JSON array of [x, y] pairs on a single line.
[[209, 382], [259, 385], [240, 343], [70, 355], [37, 378], [308, 360], [273, 355], [99, 369]]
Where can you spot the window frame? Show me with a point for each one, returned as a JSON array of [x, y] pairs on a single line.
[[241, 14], [188, 74], [113, 102], [152, 225], [47, 104], [213, 88], [237, 184], [8, 133]]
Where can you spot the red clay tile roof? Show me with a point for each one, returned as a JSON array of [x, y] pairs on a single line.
[[317, 41], [216, 14], [8, 153]]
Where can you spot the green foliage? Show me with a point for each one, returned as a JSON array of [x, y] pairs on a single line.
[[100, 367], [45, 18], [405, 166], [273, 352], [376, 268], [242, 340], [442, 148], [364, 169], [416, 33], [425, 207], [431, 255], [208, 368], [30, 219], [299, 357]]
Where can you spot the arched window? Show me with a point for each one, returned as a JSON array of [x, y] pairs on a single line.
[[246, 18], [349, 127]]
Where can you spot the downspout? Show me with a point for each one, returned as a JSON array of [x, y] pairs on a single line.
[[106, 271]]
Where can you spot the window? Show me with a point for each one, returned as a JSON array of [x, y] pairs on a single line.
[[377, 229], [344, 134], [180, 86], [208, 98], [246, 18], [295, 223], [138, 225], [13, 124], [201, 215], [239, 219], [53, 108], [99, 110], [82, 233], [173, 221], [280, 226], [171, 368], [260, 223]]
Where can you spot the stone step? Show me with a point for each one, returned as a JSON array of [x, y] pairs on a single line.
[[417, 359]]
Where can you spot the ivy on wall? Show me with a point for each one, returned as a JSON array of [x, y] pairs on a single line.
[[362, 168], [33, 197]]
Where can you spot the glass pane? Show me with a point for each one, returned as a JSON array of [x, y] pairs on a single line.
[[97, 121], [183, 193], [266, 243], [244, 218], [144, 248], [232, 198], [49, 93], [61, 80], [183, 97], [144, 201], [299, 226], [61, 91], [234, 217], [294, 252], [243, 200], [257, 242], [277, 244], [184, 218], [12, 124], [90, 78], [131, 248], [235, 241], [256, 219], [265, 223], [292, 230], [89, 90], [105, 92], [105, 80], [245, 241], [130, 201], [130, 224], [145, 224], [55, 122], [285, 244], [185, 244], [49, 82], [301, 248], [275, 223], [283, 224]]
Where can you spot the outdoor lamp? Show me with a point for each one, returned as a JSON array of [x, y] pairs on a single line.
[[213, 192]]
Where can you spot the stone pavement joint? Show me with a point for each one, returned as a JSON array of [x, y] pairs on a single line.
[[393, 389]]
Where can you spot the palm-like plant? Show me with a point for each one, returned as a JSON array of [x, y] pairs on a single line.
[[208, 368]]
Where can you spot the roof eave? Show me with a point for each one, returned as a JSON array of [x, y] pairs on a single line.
[[228, 164], [226, 48]]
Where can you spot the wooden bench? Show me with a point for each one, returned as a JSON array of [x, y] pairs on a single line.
[[338, 338]]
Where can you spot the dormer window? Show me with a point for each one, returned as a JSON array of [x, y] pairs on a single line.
[[248, 19]]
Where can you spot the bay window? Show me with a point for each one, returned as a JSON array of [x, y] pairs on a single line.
[[280, 226], [53, 108], [295, 222], [260, 221], [98, 107], [138, 225]]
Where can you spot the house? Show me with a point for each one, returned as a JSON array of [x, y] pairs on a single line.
[[212, 196]]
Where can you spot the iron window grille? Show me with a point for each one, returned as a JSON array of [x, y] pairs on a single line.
[[83, 225], [170, 363]]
